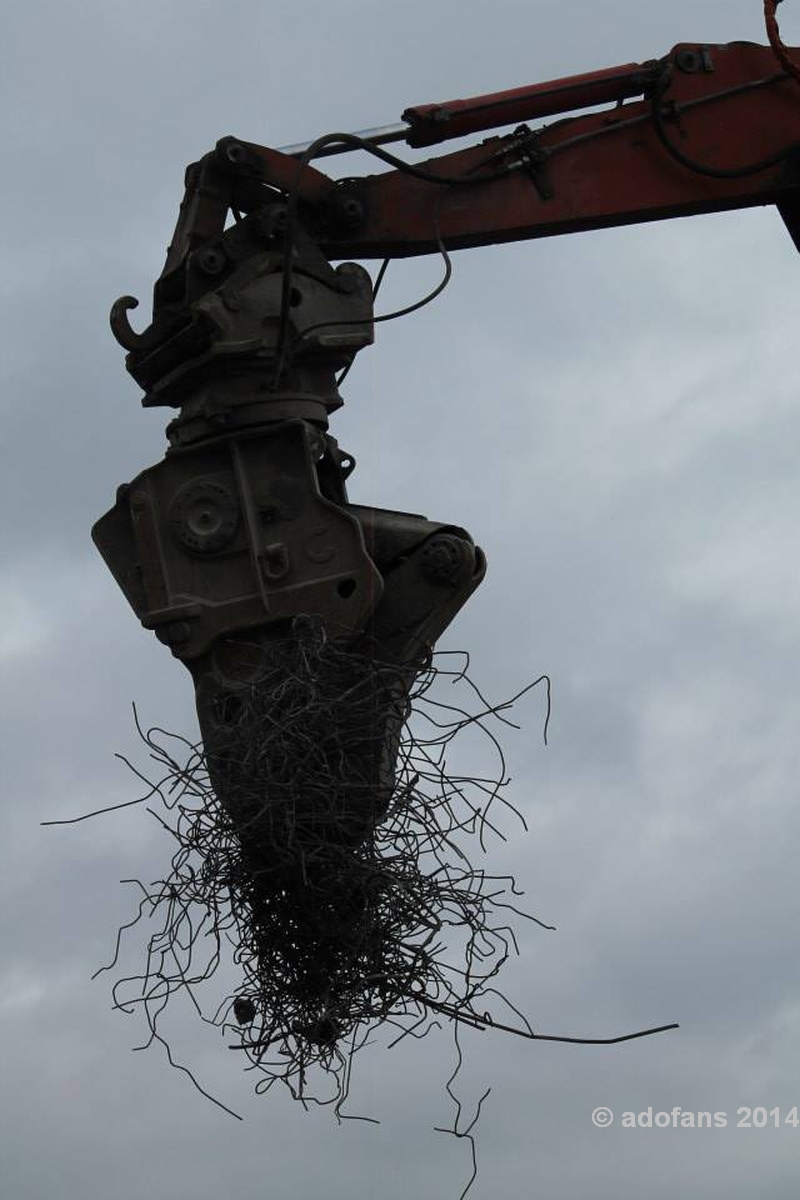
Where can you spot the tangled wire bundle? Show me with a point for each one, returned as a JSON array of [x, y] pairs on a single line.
[[320, 836]]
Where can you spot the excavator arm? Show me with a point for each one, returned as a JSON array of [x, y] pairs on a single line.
[[246, 525], [718, 128]]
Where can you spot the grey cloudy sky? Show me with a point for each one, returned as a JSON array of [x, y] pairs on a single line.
[[615, 418]]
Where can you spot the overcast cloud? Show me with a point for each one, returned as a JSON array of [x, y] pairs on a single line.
[[615, 417]]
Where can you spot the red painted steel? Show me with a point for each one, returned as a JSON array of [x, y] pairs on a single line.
[[432, 123], [603, 169]]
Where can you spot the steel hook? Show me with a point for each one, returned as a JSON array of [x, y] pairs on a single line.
[[121, 327]]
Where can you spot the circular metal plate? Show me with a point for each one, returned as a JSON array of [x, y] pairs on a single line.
[[204, 515]]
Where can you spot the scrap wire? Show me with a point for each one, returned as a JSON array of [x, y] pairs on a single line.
[[336, 881], [454, 1130]]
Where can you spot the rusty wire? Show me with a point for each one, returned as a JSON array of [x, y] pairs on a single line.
[[337, 881]]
